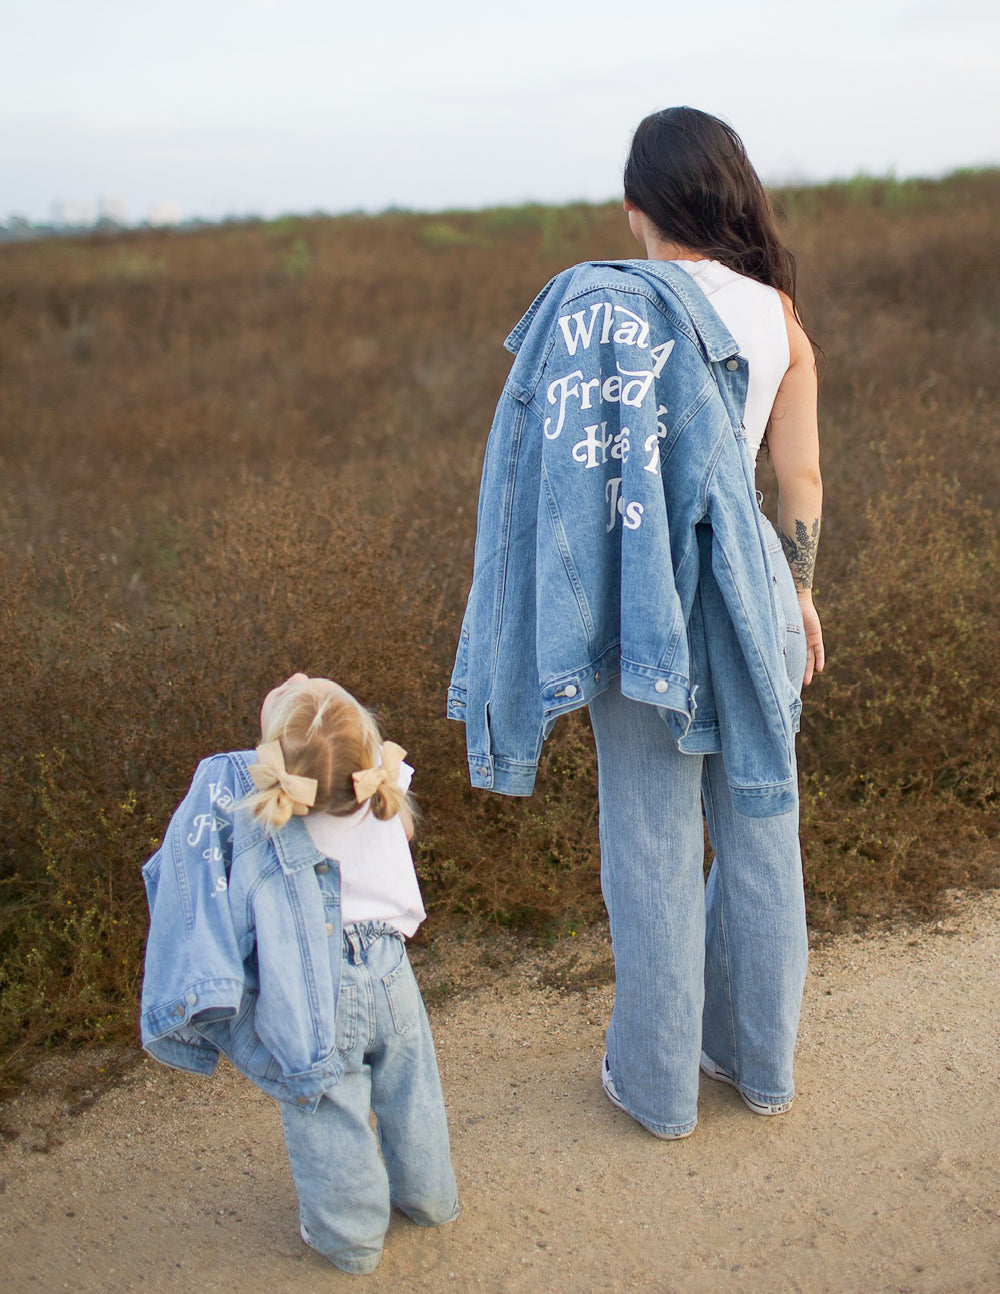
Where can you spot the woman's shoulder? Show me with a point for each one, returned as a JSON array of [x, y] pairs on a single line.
[[714, 277], [800, 349]]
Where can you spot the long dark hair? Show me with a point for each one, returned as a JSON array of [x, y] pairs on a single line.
[[690, 174]]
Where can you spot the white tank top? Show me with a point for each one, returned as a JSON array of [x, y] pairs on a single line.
[[755, 316]]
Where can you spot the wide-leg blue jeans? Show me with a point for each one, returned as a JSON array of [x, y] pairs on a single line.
[[346, 1177], [718, 968]]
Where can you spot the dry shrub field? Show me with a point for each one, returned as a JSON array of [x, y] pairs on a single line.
[[233, 453]]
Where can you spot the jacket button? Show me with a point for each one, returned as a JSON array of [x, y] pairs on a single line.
[[660, 685], [322, 869], [569, 689], [732, 365], [329, 928], [482, 771], [191, 999], [302, 1100], [597, 677]]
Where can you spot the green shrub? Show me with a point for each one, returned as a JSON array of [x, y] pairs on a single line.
[[899, 756], [443, 234]]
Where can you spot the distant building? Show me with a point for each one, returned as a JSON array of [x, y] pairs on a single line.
[[73, 213], [111, 209], [165, 213]]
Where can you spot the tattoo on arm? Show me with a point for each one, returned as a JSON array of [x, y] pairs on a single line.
[[800, 552]]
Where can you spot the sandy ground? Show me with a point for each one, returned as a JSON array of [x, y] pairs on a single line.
[[885, 1175]]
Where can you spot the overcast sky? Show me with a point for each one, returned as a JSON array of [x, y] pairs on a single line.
[[267, 106]]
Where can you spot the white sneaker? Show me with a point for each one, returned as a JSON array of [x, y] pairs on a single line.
[[608, 1083], [711, 1070]]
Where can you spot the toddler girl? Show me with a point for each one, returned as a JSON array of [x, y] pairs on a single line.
[[279, 901]]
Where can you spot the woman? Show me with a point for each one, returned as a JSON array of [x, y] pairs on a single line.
[[622, 563], [693, 198]]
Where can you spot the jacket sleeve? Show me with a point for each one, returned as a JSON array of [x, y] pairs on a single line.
[[756, 705], [193, 969], [494, 686]]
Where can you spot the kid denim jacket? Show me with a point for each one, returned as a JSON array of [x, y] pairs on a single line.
[[238, 958], [618, 534]]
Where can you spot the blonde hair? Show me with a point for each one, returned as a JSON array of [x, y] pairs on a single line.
[[325, 734]]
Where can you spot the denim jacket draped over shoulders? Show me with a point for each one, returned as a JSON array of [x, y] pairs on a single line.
[[238, 958], [619, 535]]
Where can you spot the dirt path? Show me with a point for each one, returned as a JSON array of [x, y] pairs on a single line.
[[885, 1176]]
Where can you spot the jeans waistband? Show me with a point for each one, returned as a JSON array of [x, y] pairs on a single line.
[[360, 935]]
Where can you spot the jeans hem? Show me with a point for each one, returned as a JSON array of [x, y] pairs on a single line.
[[666, 1131], [360, 1266], [760, 1102], [778, 1104], [426, 1222], [354, 1269]]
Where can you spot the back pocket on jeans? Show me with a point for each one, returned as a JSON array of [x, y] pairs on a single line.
[[403, 997]]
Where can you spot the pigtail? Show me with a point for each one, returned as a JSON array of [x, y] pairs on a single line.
[[377, 785], [388, 801], [272, 808]]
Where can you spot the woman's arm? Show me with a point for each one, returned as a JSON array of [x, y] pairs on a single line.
[[793, 443]]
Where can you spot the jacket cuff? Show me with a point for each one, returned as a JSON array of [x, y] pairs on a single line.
[[306, 1089], [457, 703], [191, 1056], [502, 775], [221, 997]]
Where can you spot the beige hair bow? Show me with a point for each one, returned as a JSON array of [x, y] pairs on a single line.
[[269, 771], [368, 780]]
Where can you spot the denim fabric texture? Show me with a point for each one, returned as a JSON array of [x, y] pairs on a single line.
[[237, 959], [718, 968], [346, 1175], [619, 537]]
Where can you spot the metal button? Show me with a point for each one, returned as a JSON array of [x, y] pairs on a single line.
[[732, 365], [569, 689], [483, 772], [329, 928], [322, 869], [191, 999], [660, 685]]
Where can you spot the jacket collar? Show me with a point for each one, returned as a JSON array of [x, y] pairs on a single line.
[[717, 340], [666, 280], [520, 329], [294, 847]]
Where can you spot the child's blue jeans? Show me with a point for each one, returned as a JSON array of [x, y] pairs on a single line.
[[345, 1186]]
